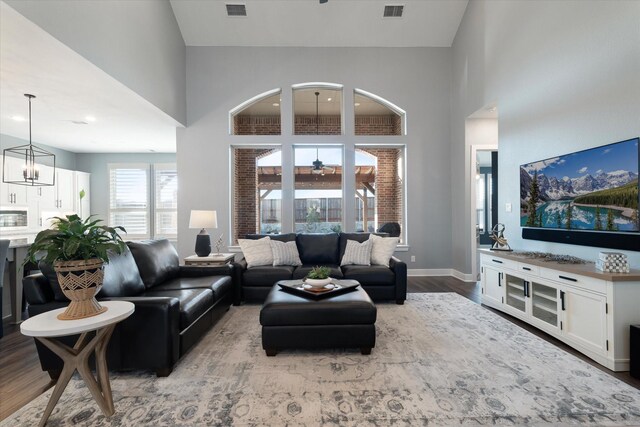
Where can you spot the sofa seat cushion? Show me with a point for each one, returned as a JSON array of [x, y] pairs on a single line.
[[266, 275], [302, 271], [374, 275], [193, 302], [220, 285]]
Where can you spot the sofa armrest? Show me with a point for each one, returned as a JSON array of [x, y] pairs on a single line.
[[205, 270], [37, 289], [399, 268], [150, 337], [239, 267]]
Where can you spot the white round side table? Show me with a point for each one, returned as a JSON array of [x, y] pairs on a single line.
[[46, 326]]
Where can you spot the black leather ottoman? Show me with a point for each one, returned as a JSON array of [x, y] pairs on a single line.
[[342, 321]]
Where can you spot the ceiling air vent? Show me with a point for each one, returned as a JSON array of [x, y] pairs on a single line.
[[236, 10], [393, 11]]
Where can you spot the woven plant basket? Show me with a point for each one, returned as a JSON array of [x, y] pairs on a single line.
[[80, 281]]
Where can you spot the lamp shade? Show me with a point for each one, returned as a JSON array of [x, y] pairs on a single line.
[[203, 219]]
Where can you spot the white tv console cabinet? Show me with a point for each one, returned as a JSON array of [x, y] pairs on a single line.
[[589, 310]]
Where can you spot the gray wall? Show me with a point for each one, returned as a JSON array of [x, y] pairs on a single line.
[[416, 79], [138, 42], [97, 165], [64, 159], [564, 75]]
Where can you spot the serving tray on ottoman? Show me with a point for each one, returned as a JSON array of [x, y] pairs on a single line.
[[339, 321], [296, 287]]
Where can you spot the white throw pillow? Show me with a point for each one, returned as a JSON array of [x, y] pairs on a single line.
[[285, 253], [357, 253], [382, 249], [256, 252]]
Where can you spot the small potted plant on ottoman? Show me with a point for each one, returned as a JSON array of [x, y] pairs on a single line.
[[318, 277], [78, 250]]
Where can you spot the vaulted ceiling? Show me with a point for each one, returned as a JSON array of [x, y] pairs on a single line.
[[337, 23]]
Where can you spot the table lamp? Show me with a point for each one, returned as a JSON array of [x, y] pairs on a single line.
[[203, 220]]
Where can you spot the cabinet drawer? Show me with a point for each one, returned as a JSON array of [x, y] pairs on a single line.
[[583, 282], [528, 268], [499, 262]]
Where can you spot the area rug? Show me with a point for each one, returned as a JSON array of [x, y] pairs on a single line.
[[439, 360]]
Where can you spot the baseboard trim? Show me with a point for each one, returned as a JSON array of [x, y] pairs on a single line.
[[440, 272]]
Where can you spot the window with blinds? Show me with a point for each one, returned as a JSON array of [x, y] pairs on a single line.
[[143, 198], [166, 200]]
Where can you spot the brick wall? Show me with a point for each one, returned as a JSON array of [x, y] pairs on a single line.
[[246, 197], [256, 125], [388, 184], [378, 125], [328, 125]]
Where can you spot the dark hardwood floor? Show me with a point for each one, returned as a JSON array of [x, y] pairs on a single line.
[[22, 380]]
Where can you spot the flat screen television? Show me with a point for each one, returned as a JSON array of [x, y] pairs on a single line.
[[589, 197]]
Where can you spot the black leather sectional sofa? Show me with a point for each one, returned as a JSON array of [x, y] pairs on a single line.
[[174, 305], [380, 282]]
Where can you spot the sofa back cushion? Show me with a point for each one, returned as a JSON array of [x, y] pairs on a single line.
[[287, 237], [50, 274], [121, 277], [157, 261], [318, 248]]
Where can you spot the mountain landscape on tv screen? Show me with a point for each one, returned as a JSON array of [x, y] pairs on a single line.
[[596, 189]]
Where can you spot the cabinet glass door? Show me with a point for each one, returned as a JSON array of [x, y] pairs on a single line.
[[515, 289], [544, 302]]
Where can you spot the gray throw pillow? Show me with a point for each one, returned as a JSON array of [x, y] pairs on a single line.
[[285, 253]]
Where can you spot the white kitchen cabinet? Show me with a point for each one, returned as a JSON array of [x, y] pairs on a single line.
[[65, 186], [586, 309], [13, 194]]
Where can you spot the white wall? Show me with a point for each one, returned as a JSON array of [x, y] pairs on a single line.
[[564, 76], [416, 79], [137, 42]]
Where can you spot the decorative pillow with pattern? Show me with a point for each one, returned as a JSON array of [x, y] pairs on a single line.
[[357, 253], [285, 253], [256, 252], [382, 249]]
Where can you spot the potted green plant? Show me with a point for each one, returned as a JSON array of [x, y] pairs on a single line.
[[78, 250], [318, 277]]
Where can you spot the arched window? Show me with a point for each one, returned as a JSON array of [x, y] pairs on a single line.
[[317, 109], [259, 115], [313, 194], [375, 116]]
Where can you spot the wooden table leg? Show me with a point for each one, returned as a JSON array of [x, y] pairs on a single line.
[[77, 358]]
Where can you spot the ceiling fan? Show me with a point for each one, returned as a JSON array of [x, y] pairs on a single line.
[[318, 167]]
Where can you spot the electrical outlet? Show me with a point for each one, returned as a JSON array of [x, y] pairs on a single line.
[[413, 258], [507, 207]]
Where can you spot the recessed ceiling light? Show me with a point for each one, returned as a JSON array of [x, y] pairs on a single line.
[[90, 118], [18, 118], [329, 99], [357, 104], [275, 104]]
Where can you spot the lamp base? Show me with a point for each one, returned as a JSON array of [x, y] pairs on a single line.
[[203, 245]]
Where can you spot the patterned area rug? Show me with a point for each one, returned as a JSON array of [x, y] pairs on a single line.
[[439, 360]]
